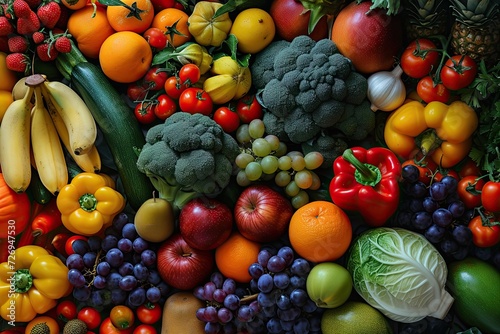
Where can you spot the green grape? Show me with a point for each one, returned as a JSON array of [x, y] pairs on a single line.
[[316, 183], [292, 189], [299, 200], [261, 147], [313, 160], [256, 128], [285, 162], [274, 141], [282, 178], [253, 171], [243, 159], [294, 153], [298, 163], [242, 179], [281, 151], [303, 179], [242, 134], [269, 164]]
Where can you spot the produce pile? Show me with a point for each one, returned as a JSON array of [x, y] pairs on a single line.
[[285, 166]]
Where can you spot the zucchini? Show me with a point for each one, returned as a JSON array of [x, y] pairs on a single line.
[[40, 194]]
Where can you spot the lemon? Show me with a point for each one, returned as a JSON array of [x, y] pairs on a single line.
[[354, 318], [254, 28]]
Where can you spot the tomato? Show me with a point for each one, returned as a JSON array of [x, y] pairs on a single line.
[[419, 58], [174, 88], [149, 313], [227, 119], [90, 316], [144, 112], [107, 327], [189, 74], [440, 173], [458, 72], [469, 191], [156, 38], [155, 78], [69, 243], [136, 91], [144, 329], [66, 310], [483, 235], [429, 91], [162, 4], [469, 167], [165, 107], [490, 196], [248, 109], [195, 100], [122, 316], [426, 168]]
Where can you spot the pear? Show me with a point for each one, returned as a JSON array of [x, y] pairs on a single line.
[[155, 220]]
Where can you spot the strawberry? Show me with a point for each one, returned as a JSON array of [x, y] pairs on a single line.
[[5, 26], [21, 9], [45, 52], [38, 37], [49, 13], [17, 62], [27, 26], [63, 44], [18, 44]]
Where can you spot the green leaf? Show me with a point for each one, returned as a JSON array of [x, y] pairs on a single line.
[[113, 3], [230, 6]]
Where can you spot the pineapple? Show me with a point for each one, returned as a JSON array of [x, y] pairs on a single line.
[[476, 30], [425, 18]]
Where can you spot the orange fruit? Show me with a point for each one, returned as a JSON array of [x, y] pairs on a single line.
[[235, 255], [320, 231], [136, 16], [125, 56], [170, 20], [254, 28], [89, 32], [74, 4], [9, 78], [5, 101]]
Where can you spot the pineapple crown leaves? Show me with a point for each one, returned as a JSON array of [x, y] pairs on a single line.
[[391, 6], [424, 12], [475, 12], [134, 10]]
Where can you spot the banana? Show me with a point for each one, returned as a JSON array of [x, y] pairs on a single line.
[[47, 149], [75, 114], [88, 162], [15, 143]]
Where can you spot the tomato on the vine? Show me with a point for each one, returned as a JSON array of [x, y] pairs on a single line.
[[484, 234], [122, 317], [469, 167], [426, 168], [195, 100], [165, 107], [227, 119], [155, 78], [149, 313], [90, 316], [144, 112], [458, 72], [136, 91], [145, 329], [189, 74], [156, 38], [66, 310], [173, 87], [248, 109], [419, 58], [490, 196], [107, 327], [69, 243], [430, 91], [469, 190]]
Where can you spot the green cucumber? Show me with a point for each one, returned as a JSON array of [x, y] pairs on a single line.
[[39, 192]]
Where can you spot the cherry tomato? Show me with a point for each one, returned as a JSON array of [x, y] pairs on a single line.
[[90, 316], [156, 38], [122, 316], [189, 74], [248, 109], [144, 329], [149, 313], [144, 112], [469, 167], [162, 4], [165, 107], [425, 167], [107, 327], [66, 310], [440, 173], [69, 243], [195, 100], [482, 234], [419, 58], [227, 119], [174, 88], [469, 191], [458, 72], [490, 196], [429, 91], [136, 91], [155, 78]]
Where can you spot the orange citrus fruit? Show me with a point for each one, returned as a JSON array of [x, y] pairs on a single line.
[[320, 231], [125, 56], [9, 78], [173, 22], [136, 16], [254, 28], [235, 255], [5, 101], [89, 32], [74, 4]]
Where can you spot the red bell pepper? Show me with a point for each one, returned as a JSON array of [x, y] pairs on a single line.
[[47, 220], [367, 181]]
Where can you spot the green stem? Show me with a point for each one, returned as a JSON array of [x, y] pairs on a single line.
[[366, 174], [429, 141], [22, 280], [88, 202]]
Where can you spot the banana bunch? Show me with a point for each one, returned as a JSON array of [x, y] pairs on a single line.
[[46, 117]]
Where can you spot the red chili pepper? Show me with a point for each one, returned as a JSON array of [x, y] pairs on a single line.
[[47, 220], [4, 250], [26, 237], [367, 181]]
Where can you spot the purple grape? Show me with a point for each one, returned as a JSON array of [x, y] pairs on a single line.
[[199, 292], [438, 191], [89, 259], [418, 190], [224, 315], [281, 280], [154, 277], [430, 205], [164, 289], [276, 264], [99, 282], [232, 302], [208, 290], [94, 243], [128, 283], [274, 326], [80, 246], [416, 205], [109, 242], [297, 282], [283, 302], [315, 323], [200, 314], [265, 283], [269, 312], [103, 268], [287, 325], [114, 257], [148, 257], [153, 294], [448, 246], [301, 325], [125, 245], [457, 209], [219, 295], [462, 234], [229, 285], [496, 259], [245, 313], [289, 314], [217, 278], [421, 220], [252, 285], [256, 270], [263, 256], [96, 298], [119, 221], [212, 328], [137, 297], [451, 184], [266, 299], [139, 245], [435, 233], [129, 231], [410, 173], [210, 313], [442, 217], [287, 254], [461, 253], [126, 268], [300, 267], [140, 271], [82, 293], [75, 261], [483, 253], [255, 306], [404, 219], [113, 280], [76, 278], [118, 296], [110, 230], [309, 306], [299, 297]]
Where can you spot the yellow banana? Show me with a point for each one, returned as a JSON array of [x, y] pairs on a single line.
[[47, 149], [75, 114], [88, 162], [15, 143]]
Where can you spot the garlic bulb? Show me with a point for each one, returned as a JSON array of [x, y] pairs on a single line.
[[386, 90]]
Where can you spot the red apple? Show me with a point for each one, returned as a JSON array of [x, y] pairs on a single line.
[[262, 214], [181, 266], [205, 223]]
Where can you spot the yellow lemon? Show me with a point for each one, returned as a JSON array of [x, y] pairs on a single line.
[[254, 28]]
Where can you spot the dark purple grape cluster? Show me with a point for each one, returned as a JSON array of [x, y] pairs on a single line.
[[119, 268]]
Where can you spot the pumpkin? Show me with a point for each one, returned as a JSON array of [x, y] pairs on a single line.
[[205, 29], [14, 210]]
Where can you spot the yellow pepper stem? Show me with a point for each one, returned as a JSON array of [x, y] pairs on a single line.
[[22, 280], [429, 141], [88, 202]]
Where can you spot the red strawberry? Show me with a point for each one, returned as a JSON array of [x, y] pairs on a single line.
[[38, 37], [49, 14], [18, 44], [33, 3], [21, 9], [45, 52], [5, 26], [27, 26], [4, 46], [17, 62], [63, 44]]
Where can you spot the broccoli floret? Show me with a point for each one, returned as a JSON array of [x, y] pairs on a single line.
[[275, 125], [360, 123], [357, 87], [292, 81], [340, 67], [277, 98], [304, 61], [300, 126], [189, 155], [339, 90], [262, 68], [328, 113], [328, 146], [308, 100], [325, 46]]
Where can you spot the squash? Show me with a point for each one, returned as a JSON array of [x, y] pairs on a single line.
[[14, 211], [205, 29]]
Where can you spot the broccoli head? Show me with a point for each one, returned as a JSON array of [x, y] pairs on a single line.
[[358, 121], [187, 156], [328, 146]]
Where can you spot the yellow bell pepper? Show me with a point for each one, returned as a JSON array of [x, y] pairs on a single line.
[[31, 282], [443, 132], [89, 203]]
